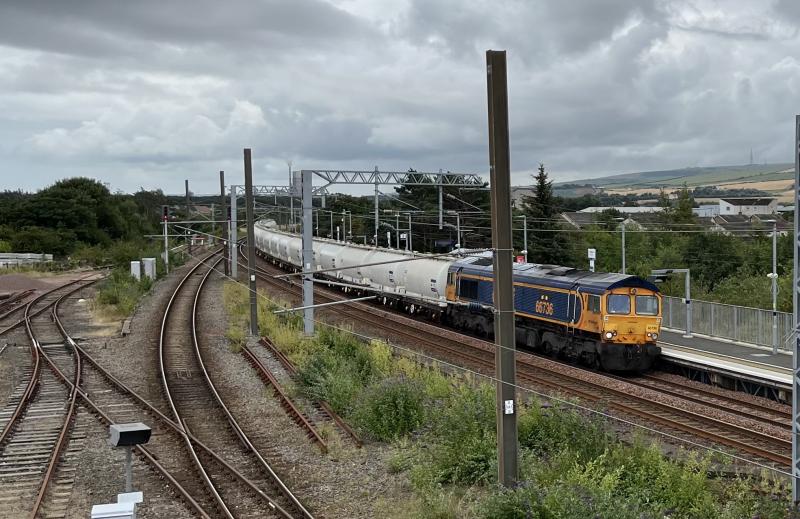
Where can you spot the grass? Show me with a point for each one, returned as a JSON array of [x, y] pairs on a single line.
[[442, 432], [120, 293]]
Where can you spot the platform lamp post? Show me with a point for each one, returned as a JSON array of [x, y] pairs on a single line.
[[661, 275], [524, 236], [774, 277], [458, 227]]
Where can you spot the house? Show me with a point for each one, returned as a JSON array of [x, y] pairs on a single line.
[[647, 221], [742, 225], [580, 220], [706, 210], [747, 206], [624, 209]]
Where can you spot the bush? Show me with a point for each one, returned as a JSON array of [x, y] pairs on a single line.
[[562, 500], [549, 429], [390, 409], [462, 439], [121, 292]]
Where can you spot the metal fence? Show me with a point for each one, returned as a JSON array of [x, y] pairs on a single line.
[[738, 323], [15, 259]]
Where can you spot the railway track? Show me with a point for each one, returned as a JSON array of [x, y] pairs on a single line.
[[323, 410], [113, 402], [40, 442], [532, 370], [9, 319], [288, 405], [38, 422], [771, 415], [198, 409]]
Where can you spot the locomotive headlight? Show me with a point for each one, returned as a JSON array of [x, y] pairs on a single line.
[[655, 336], [609, 334]]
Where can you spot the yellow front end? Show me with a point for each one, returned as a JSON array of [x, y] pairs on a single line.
[[631, 316]]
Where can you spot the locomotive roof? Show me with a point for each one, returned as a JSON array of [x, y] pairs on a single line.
[[557, 276]]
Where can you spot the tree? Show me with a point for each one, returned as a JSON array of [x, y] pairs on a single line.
[[682, 212], [546, 244]]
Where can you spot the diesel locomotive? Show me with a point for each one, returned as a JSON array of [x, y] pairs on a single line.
[[606, 320]]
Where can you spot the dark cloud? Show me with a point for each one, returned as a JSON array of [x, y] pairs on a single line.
[[149, 93], [104, 29]]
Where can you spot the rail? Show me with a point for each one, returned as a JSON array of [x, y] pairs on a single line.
[[231, 420]]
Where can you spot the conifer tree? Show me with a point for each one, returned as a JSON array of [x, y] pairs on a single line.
[[546, 245]]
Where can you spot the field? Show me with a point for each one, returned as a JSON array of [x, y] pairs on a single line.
[[775, 179]]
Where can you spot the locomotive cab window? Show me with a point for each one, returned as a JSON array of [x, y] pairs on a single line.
[[468, 289], [593, 303], [618, 304], [646, 305]]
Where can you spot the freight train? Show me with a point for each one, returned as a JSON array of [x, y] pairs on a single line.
[[606, 320]]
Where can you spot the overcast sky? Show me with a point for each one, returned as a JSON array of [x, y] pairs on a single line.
[[148, 93]]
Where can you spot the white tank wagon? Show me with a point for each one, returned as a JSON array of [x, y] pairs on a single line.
[[415, 286]]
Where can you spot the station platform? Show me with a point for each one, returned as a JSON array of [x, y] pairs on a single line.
[[735, 365]]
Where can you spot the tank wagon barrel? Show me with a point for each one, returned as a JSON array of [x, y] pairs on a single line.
[[606, 320]]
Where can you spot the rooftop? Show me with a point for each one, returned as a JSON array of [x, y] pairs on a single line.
[[748, 201]]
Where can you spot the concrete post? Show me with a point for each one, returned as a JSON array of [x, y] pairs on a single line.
[[291, 197], [623, 246], [251, 241], [308, 254], [234, 235], [225, 223], [441, 203], [188, 215], [377, 196], [502, 243]]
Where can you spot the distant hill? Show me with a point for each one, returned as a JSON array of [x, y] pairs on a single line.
[[701, 176]]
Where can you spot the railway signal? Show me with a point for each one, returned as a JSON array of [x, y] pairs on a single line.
[[127, 435]]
